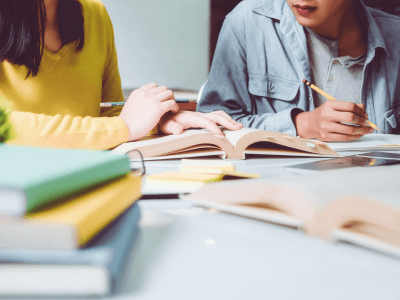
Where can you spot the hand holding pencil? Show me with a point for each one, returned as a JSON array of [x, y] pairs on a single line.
[[326, 122], [331, 98]]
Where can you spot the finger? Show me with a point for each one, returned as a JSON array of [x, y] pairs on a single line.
[[169, 105], [349, 129], [147, 86], [362, 105], [223, 121], [224, 114], [348, 106], [156, 90], [169, 126], [165, 95], [349, 117], [332, 137], [221, 112], [197, 120]]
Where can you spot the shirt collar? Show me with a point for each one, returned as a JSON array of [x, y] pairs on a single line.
[[280, 10]]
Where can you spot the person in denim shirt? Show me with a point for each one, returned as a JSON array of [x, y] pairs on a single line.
[[262, 57]]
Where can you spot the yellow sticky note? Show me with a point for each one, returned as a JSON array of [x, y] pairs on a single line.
[[186, 176], [208, 166]]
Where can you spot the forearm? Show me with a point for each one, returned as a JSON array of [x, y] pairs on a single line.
[[67, 131]]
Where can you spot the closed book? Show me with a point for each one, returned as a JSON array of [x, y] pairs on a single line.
[[72, 223], [34, 177], [95, 270]]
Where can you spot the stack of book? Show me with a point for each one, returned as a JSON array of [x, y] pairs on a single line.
[[68, 219]]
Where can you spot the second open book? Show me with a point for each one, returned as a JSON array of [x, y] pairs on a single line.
[[358, 205], [235, 145]]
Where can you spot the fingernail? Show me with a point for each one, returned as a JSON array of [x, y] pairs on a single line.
[[366, 123], [221, 136], [176, 130], [371, 130]]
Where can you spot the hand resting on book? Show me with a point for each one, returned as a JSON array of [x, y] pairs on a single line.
[[172, 123]]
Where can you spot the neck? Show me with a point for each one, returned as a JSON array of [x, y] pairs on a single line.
[[338, 24], [52, 38], [346, 29], [51, 13]]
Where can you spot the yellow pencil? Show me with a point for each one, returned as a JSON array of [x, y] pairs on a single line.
[[318, 90]]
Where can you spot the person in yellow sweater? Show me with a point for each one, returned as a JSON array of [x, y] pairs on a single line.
[[58, 63]]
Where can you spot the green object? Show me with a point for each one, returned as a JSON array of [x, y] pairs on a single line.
[[4, 126], [31, 178]]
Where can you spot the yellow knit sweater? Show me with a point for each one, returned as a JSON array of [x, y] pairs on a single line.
[[60, 107]]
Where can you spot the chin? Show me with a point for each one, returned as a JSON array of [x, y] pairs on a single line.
[[307, 22]]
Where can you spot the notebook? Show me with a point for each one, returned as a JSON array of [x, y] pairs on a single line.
[[73, 223], [34, 177]]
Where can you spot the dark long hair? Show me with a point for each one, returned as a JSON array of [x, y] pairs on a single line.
[[22, 24]]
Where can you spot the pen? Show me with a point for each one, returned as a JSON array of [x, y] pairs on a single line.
[[110, 104], [318, 90]]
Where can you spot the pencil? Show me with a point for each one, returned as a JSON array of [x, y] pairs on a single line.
[[318, 90], [110, 104]]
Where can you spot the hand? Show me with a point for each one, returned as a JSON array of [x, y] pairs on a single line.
[[178, 122], [325, 122], [145, 107]]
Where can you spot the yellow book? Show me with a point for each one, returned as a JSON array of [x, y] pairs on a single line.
[[73, 223]]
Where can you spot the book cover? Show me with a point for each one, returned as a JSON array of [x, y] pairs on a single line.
[[74, 222], [34, 177], [95, 270]]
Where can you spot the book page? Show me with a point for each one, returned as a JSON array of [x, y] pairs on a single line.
[[369, 142], [183, 145], [254, 141], [366, 241], [155, 140], [234, 136]]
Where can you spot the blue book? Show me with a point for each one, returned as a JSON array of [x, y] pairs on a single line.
[[31, 177], [91, 271]]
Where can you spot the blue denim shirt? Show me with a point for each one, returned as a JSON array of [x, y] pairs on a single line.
[[261, 59]]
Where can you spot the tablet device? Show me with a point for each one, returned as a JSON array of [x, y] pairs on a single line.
[[342, 162]]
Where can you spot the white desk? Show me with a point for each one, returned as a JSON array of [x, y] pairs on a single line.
[[186, 252]]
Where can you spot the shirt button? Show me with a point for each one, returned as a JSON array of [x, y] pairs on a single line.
[[271, 89], [330, 78], [333, 44]]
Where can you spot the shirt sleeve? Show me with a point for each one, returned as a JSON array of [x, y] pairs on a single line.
[[104, 132], [66, 131], [227, 87]]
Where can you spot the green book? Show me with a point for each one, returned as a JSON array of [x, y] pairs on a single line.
[[31, 178]]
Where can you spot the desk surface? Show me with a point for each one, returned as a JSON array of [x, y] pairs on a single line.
[[187, 252]]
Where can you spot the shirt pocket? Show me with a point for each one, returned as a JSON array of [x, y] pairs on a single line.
[[273, 87], [392, 116]]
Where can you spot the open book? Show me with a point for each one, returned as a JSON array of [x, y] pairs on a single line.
[[235, 145], [355, 205]]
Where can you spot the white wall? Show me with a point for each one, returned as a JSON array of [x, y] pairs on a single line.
[[161, 41]]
